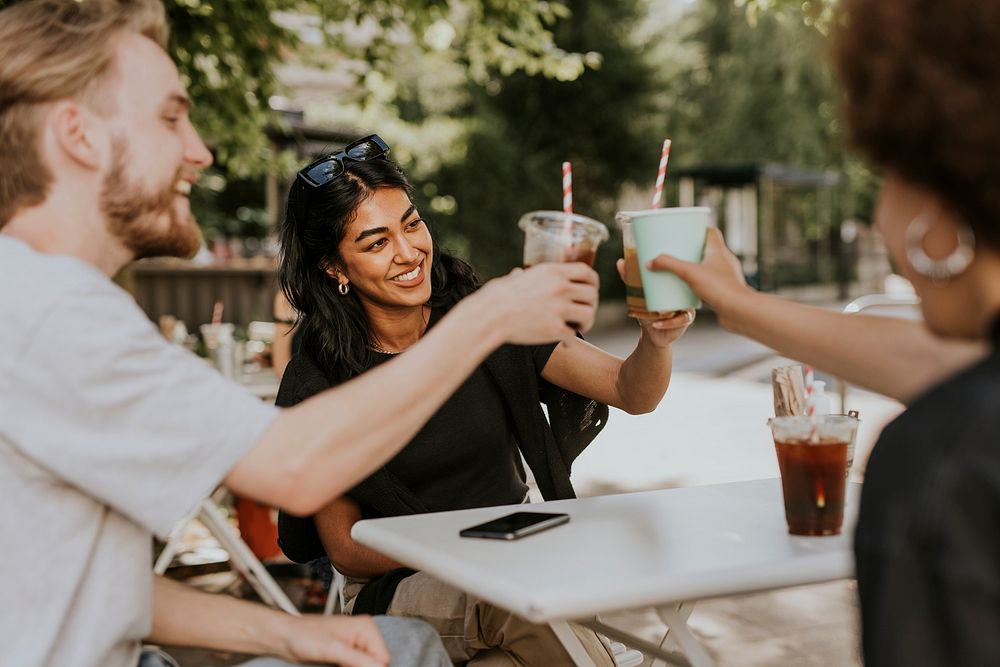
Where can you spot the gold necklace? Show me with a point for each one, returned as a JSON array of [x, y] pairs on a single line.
[[375, 345], [378, 348]]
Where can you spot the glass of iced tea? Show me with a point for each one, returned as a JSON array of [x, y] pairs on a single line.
[[554, 236], [635, 298], [812, 457]]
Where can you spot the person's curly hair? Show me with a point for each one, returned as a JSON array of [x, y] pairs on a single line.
[[922, 84]]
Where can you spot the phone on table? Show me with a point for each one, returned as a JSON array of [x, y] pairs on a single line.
[[515, 525]]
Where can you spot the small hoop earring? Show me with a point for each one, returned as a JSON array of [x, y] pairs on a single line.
[[939, 271], [343, 288]]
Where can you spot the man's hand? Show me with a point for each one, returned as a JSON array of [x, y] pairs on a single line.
[[718, 280], [350, 641], [183, 616], [548, 302]]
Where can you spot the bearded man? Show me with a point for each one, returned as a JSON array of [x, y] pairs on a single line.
[[108, 434]]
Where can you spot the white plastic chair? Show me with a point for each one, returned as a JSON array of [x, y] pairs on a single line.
[[625, 656], [241, 558]]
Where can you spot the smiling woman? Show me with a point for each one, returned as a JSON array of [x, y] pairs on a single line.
[[360, 266], [385, 254], [356, 258]]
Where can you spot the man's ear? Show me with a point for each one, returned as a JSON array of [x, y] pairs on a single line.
[[76, 133]]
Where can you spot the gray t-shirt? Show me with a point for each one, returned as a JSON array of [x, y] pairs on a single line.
[[108, 434]]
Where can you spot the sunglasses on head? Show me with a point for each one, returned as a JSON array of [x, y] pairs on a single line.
[[329, 167]]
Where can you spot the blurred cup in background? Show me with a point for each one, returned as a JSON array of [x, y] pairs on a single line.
[[222, 348]]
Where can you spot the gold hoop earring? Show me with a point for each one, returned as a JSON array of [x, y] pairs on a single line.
[[939, 271], [343, 288]]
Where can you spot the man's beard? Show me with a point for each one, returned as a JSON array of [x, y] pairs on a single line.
[[148, 224]]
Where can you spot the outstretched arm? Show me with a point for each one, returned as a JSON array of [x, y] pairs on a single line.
[[899, 358], [635, 384], [184, 616], [315, 451]]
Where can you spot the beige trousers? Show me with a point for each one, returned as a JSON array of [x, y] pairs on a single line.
[[478, 633]]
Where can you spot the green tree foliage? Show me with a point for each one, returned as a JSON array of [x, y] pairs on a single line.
[[759, 91], [752, 82], [817, 13], [509, 35], [521, 128], [228, 51]]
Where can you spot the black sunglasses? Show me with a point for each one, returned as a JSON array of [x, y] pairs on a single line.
[[329, 167]]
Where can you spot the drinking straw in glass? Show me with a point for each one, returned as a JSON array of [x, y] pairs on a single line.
[[661, 174], [567, 187]]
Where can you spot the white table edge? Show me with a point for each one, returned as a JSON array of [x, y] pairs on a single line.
[[834, 566]]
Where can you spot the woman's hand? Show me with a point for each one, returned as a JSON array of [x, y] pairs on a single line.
[[664, 330], [718, 279]]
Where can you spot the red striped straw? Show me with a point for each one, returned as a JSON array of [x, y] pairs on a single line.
[[811, 404], [661, 174], [810, 398], [217, 312], [567, 183]]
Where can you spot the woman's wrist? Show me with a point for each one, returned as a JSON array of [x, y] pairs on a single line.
[[736, 312], [648, 342]]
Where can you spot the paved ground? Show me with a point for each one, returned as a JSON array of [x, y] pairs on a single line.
[[711, 428]]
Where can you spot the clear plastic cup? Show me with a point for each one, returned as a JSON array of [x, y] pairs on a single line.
[[554, 236], [812, 456], [222, 347], [635, 298]]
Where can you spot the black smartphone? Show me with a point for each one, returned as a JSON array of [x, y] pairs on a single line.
[[515, 525]]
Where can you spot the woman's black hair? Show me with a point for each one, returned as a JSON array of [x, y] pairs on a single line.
[[334, 328]]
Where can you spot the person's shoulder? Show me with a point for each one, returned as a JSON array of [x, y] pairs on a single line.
[[302, 378], [970, 396], [34, 284], [968, 411], [42, 276], [951, 427]]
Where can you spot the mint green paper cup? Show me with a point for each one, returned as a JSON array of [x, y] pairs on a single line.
[[675, 231]]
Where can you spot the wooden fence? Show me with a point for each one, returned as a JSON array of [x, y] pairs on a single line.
[[189, 291]]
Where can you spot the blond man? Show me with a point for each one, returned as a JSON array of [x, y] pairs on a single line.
[[107, 433]]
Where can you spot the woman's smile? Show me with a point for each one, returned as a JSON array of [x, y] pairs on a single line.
[[386, 252], [411, 278]]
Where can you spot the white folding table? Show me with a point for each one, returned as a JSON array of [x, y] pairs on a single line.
[[661, 550]]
